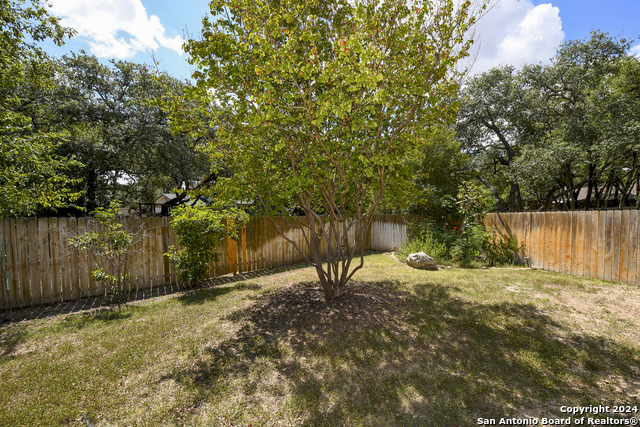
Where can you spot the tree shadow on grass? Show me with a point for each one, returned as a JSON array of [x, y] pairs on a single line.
[[385, 356], [201, 296]]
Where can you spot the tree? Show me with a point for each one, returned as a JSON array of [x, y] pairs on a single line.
[[547, 131], [584, 142], [493, 122], [118, 133], [32, 176], [326, 101], [439, 171]]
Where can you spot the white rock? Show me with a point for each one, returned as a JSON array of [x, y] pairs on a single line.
[[421, 261]]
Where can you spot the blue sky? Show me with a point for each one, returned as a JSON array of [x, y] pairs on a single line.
[[513, 32]]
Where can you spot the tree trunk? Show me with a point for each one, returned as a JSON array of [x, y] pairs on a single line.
[[515, 200], [499, 203]]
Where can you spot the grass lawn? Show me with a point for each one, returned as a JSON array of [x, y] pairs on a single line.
[[403, 347]]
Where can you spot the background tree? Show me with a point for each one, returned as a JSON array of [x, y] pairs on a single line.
[[118, 133], [32, 176], [494, 121], [548, 131], [328, 100], [438, 172]]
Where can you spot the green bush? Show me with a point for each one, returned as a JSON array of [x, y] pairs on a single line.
[[478, 246], [428, 238], [113, 245], [199, 229]]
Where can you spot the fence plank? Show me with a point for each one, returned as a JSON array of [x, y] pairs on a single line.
[[586, 233], [12, 276], [540, 247], [533, 235], [616, 246], [74, 268], [54, 248], [153, 249], [34, 261], [83, 262], [581, 244], [632, 269], [575, 252], [637, 246], [23, 262], [561, 239], [141, 280], [566, 248], [243, 244], [146, 247], [592, 219], [608, 246], [552, 230], [159, 251], [4, 290], [153, 244], [159, 276], [557, 241], [624, 246], [543, 248], [166, 275], [63, 229], [602, 226]]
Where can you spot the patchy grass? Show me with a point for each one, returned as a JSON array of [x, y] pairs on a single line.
[[402, 347]]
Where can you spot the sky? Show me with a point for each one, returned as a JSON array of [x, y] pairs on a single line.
[[513, 32]]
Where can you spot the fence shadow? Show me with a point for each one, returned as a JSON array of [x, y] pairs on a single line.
[[190, 295]]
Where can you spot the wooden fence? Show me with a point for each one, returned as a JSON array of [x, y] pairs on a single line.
[[41, 268], [389, 232], [598, 244]]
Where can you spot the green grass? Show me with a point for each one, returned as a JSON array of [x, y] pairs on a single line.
[[403, 347]]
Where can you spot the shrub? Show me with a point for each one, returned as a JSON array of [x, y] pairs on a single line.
[[425, 237], [199, 229], [477, 246], [113, 245]]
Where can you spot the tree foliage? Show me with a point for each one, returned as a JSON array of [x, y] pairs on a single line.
[[32, 175], [323, 102], [117, 132], [438, 171], [549, 131]]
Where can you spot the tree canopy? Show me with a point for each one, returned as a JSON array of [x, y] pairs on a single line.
[[543, 133], [323, 102], [32, 175]]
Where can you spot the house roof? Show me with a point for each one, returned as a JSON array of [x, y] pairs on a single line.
[[582, 195], [164, 198]]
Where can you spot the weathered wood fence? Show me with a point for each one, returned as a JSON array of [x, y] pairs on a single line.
[[598, 244], [41, 268], [389, 232]]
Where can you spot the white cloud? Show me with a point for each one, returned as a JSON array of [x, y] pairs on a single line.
[[635, 50], [115, 28], [516, 32]]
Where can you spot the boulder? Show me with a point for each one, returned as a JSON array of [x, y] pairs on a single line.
[[421, 261]]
